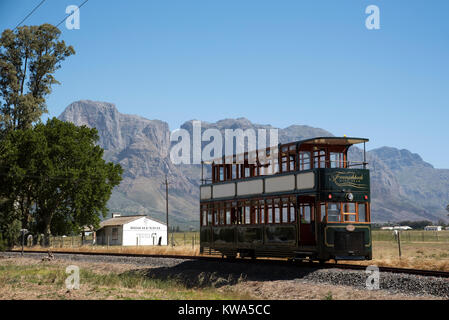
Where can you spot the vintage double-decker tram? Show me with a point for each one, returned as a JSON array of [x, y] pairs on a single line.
[[306, 202]]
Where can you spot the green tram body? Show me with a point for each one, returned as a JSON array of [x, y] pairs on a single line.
[[321, 213]]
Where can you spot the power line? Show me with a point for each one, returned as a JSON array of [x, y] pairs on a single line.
[[30, 14], [71, 13]]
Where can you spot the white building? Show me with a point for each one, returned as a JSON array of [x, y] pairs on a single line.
[[433, 228], [402, 228], [132, 231]]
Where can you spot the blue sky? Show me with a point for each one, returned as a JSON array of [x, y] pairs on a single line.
[[277, 62]]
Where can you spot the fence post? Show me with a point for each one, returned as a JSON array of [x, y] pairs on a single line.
[[399, 243]]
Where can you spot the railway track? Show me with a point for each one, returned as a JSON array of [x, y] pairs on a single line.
[[328, 265]]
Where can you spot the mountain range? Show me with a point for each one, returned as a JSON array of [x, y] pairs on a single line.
[[403, 185]]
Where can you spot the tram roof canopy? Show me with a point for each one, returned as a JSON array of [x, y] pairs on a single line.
[[349, 141], [330, 141]]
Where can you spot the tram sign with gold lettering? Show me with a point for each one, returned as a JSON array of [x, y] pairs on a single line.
[[345, 180]]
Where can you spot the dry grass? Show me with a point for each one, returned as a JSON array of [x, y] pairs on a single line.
[[419, 255], [30, 279], [162, 250]]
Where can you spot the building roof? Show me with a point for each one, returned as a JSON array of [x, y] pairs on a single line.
[[121, 220]]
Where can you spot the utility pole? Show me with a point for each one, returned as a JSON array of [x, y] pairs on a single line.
[[399, 242], [166, 203]]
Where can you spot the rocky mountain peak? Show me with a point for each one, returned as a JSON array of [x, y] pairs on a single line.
[[397, 159]]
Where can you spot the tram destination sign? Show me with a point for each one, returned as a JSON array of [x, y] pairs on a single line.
[[354, 180]]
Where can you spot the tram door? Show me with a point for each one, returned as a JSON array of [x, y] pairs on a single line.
[[307, 220]]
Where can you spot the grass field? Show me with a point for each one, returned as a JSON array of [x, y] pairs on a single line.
[[31, 279], [412, 236]]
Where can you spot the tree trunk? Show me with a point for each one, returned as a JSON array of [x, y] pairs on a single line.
[[47, 234]]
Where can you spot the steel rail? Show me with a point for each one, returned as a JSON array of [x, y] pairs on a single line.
[[280, 262]]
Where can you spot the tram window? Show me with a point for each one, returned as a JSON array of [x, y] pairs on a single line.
[[221, 173], [333, 212], [304, 160], [222, 216], [228, 214], [247, 214], [362, 212], [240, 215], [323, 212], [288, 162], [246, 172], [262, 211], [319, 159], [285, 209], [349, 208], [234, 214], [234, 171], [337, 159], [277, 211], [292, 205], [306, 214], [349, 211], [215, 217], [284, 163], [270, 211], [209, 217], [255, 214], [292, 162]]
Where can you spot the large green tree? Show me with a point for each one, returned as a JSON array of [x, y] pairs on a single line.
[[58, 180], [29, 57]]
